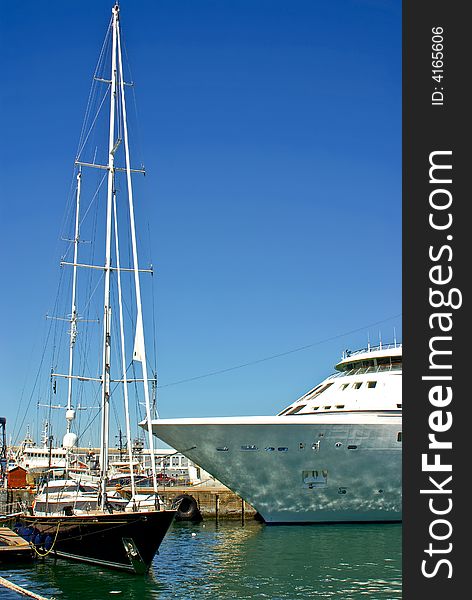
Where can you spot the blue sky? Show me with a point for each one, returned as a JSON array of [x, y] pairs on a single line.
[[271, 135]]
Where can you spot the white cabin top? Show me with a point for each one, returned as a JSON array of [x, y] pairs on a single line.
[[367, 380]]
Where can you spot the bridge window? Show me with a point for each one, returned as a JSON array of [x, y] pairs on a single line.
[[322, 389], [297, 409]]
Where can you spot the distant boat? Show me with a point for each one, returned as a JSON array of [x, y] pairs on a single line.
[[334, 455], [82, 520], [39, 459]]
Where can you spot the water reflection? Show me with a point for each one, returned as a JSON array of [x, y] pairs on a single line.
[[228, 561]]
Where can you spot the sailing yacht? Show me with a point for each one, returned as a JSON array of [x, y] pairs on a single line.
[[71, 518], [333, 455]]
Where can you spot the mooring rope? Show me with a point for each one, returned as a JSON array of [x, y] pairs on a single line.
[[42, 554], [16, 588]]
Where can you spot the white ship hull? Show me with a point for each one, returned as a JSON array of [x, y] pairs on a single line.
[[323, 468]]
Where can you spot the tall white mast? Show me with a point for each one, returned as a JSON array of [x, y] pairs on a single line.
[[139, 346], [107, 308], [70, 438], [73, 318]]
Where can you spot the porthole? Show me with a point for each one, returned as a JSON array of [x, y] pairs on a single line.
[[338, 444], [222, 449], [352, 447]]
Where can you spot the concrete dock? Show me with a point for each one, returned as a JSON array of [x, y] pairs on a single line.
[[212, 502]]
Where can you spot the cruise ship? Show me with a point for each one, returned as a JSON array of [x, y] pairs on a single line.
[[332, 456]]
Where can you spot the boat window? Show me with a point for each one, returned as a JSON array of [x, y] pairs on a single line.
[[175, 461], [327, 407], [316, 407], [357, 385], [269, 449], [339, 405], [222, 449], [344, 386], [184, 461], [371, 384], [282, 449], [285, 410], [297, 409], [399, 436], [399, 405], [311, 392], [249, 447], [322, 389], [352, 447]]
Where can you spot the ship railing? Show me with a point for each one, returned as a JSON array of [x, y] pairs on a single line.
[[349, 353], [367, 370]]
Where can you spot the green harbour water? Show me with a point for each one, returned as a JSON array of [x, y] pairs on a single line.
[[231, 561]]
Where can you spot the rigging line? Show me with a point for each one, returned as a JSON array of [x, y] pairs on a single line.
[[82, 219], [97, 67], [153, 300], [87, 305], [115, 349], [260, 360], [85, 339], [90, 423], [70, 202], [138, 136], [93, 123], [39, 372]]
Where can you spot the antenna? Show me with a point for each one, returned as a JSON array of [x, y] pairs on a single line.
[[395, 336], [368, 341], [380, 339]]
